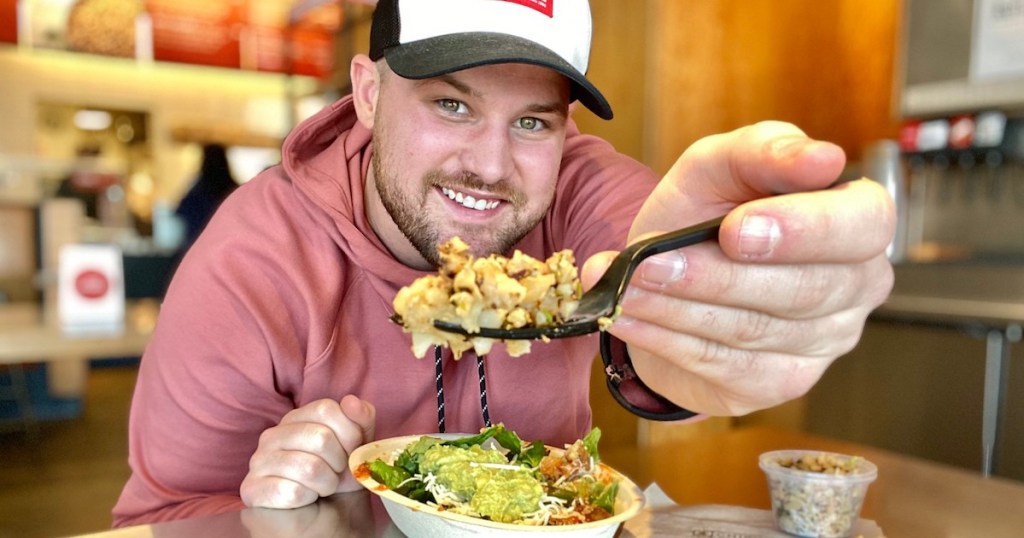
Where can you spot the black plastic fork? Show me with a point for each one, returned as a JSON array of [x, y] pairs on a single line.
[[602, 300]]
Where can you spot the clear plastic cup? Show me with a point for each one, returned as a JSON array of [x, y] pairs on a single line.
[[815, 493]]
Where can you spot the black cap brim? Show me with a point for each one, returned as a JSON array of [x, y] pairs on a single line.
[[449, 53]]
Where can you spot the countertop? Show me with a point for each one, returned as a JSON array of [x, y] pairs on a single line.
[[25, 336], [985, 292]]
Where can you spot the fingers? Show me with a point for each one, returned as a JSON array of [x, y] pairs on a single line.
[[711, 378], [291, 441], [753, 319], [773, 183], [725, 338], [275, 492], [744, 329], [306, 455], [702, 274], [329, 414], [849, 223]]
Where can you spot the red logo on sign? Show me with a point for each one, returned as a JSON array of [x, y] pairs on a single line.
[[544, 6], [92, 284]]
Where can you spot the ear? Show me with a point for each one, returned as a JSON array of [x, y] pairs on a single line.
[[365, 88]]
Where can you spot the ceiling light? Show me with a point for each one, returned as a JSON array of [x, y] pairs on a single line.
[[92, 120]]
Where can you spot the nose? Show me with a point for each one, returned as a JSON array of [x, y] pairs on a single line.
[[488, 154]]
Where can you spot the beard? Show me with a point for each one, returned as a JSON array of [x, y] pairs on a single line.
[[424, 229]]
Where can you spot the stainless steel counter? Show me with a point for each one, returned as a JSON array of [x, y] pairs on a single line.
[[985, 296], [961, 293]]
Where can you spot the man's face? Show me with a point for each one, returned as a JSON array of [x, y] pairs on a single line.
[[473, 154]]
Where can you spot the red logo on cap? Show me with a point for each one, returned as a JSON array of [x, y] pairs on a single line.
[[544, 6]]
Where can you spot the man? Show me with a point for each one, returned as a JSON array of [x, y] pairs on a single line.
[[274, 357]]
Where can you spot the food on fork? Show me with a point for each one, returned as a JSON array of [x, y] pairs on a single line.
[[493, 292]]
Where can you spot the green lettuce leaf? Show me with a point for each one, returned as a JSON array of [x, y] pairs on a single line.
[[398, 480], [590, 442], [506, 438], [605, 496], [533, 454]]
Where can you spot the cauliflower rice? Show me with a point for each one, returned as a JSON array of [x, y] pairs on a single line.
[[493, 292]]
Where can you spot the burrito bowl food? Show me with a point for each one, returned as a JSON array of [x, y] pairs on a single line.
[[493, 481]]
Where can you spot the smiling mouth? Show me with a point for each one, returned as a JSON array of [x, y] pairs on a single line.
[[479, 204]]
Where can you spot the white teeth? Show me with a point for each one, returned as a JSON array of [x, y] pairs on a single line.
[[469, 201]]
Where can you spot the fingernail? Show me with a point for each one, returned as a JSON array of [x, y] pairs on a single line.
[[662, 269], [792, 146], [758, 236]]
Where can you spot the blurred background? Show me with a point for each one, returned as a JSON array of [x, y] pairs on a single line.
[[111, 110]]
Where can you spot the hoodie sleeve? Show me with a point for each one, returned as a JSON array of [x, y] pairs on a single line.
[[239, 323]]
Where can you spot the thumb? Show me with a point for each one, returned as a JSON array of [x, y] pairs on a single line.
[[362, 413], [719, 172]]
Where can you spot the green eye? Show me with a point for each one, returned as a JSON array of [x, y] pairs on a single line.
[[531, 124]]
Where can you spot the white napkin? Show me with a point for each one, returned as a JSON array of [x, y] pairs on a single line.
[[662, 517]]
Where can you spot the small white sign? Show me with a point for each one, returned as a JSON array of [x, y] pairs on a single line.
[[90, 288], [997, 50]]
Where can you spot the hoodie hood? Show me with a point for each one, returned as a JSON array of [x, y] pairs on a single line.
[[327, 158]]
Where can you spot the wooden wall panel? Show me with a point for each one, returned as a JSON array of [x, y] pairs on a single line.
[[715, 65], [618, 63]]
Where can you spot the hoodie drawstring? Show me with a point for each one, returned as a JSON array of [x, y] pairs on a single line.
[[439, 384], [483, 390]]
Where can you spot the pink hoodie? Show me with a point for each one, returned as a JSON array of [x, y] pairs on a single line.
[[285, 299]]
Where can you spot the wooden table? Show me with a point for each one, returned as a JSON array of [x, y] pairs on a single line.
[[28, 336], [911, 498]]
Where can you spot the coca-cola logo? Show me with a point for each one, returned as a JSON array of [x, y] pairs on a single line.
[[92, 284]]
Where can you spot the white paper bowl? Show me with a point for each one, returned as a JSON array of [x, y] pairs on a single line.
[[417, 519]]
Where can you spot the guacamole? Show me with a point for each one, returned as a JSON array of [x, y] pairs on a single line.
[[508, 496]]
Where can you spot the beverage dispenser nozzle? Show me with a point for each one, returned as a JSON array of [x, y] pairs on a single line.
[[885, 166]]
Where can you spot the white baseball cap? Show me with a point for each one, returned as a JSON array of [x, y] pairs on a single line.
[[427, 38]]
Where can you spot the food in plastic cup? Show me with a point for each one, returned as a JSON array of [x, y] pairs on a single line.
[[815, 493]]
